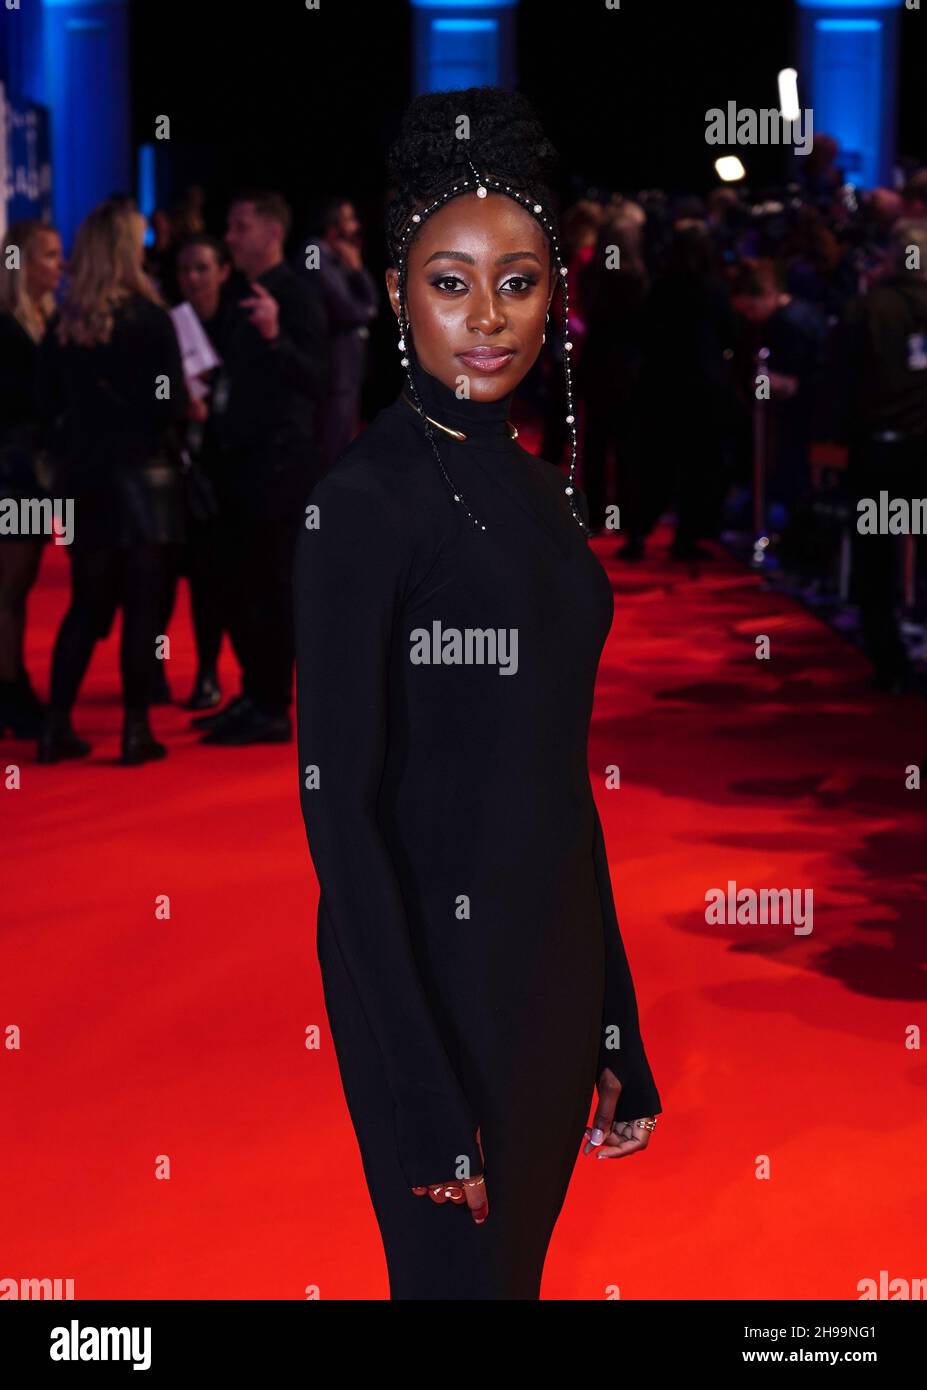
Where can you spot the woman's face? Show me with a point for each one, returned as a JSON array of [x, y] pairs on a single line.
[[478, 285], [200, 278], [43, 264]]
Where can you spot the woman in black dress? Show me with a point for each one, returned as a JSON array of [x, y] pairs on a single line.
[[450, 619], [111, 379]]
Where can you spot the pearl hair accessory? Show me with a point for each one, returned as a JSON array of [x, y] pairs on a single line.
[[482, 186]]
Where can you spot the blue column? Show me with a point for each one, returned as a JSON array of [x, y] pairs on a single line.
[[86, 45], [847, 75], [463, 43], [21, 52]]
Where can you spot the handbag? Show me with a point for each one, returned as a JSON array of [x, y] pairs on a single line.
[[199, 493]]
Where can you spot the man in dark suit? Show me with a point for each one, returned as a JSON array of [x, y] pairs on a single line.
[[272, 341]]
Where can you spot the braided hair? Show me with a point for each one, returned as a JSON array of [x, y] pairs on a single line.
[[481, 139]]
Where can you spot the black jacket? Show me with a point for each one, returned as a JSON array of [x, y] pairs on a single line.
[[265, 400], [18, 410], [880, 348], [112, 426]]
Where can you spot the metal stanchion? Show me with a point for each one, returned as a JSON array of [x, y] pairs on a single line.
[[846, 563], [910, 569], [760, 424]]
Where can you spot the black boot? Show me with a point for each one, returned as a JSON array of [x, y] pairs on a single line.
[[206, 692], [236, 709], [8, 708], [58, 739], [258, 726], [139, 744], [21, 711]]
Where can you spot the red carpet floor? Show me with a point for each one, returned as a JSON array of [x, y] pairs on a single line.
[[148, 1041]]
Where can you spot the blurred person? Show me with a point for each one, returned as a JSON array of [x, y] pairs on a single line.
[[613, 289], [352, 302], [820, 269], [273, 346], [686, 397], [27, 302], [581, 223], [881, 364], [887, 206], [203, 271], [100, 363], [188, 214], [868, 237], [724, 214], [914, 196], [160, 256], [819, 174], [795, 333]]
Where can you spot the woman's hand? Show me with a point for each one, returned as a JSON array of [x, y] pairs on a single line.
[[610, 1137], [459, 1190]]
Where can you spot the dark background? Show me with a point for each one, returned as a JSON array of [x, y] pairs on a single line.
[[307, 101], [302, 99]]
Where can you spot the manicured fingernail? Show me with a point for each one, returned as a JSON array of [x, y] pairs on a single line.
[[597, 1137]]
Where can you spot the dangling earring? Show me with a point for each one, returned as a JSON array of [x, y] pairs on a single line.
[[544, 335]]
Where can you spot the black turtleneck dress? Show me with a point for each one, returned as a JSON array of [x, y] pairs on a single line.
[[472, 965]]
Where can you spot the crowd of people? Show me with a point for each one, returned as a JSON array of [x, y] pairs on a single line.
[[698, 322], [687, 314], [204, 474]]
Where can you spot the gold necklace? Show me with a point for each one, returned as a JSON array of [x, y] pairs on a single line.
[[455, 434]]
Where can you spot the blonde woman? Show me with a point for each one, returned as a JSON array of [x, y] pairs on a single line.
[[111, 377], [26, 304]]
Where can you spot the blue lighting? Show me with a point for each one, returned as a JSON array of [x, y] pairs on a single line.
[[463, 4], [848, 4], [147, 189], [463, 43], [462, 26], [849, 62], [463, 53], [849, 26], [85, 46]]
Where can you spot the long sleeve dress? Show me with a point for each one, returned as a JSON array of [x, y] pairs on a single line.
[[472, 966]]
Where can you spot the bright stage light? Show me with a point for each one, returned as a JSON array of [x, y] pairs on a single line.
[[788, 94], [729, 168]]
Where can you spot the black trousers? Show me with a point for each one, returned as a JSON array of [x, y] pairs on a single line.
[[201, 561], [256, 563], [900, 469], [682, 457], [611, 422], [137, 578]]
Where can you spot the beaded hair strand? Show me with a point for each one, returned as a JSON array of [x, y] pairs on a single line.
[[541, 215]]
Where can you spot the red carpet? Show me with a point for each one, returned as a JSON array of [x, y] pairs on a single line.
[[146, 1041]]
